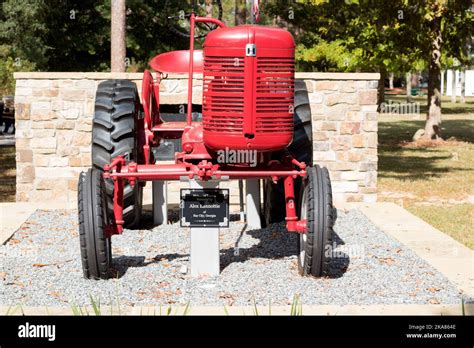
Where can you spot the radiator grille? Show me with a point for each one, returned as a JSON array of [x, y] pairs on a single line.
[[274, 94], [223, 94]]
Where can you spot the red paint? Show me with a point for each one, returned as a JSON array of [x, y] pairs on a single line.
[[247, 104], [248, 100], [177, 62]]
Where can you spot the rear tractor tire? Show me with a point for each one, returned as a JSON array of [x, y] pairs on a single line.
[[114, 133], [96, 246], [316, 208]]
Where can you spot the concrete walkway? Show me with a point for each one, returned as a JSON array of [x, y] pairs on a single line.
[[448, 256], [13, 215]]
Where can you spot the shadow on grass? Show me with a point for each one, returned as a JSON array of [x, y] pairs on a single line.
[[413, 167], [395, 132], [405, 163]]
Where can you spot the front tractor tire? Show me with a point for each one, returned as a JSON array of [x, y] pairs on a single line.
[[317, 209], [96, 246], [114, 133]]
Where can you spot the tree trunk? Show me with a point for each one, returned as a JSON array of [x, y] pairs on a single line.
[[433, 118], [463, 85], [240, 12], [381, 87], [390, 80], [408, 86], [117, 38], [443, 86], [454, 86], [208, 8]]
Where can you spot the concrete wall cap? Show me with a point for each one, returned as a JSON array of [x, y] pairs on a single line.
[[138, 76]]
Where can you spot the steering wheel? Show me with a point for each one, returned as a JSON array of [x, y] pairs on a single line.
[[178, 19]]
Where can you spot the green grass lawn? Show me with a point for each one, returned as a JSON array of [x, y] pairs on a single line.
[[433, 181], [7, 174]]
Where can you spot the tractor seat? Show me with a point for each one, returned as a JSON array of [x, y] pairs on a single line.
[[177, 62]]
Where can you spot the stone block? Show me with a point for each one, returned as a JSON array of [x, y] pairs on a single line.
[[22, 111], [65, 124], [51, 93], [371, 140], [42, 115], [344, 186], [44, 143], [45, 184], [340, 98], [39, 83], [52, 172], [336, 112], [320, 146], [24, 156], [41, 105], [370, 116], [85, 84], [317, 109], [84, 125], [309, 85], [368, 166], [355, 156], [86, 159], [65, 150], [43, 125], [73, 94], [341, 142], [23, 91], [369, 126], [72, 184], [358, 140], [82, 138], [75, 161], [350, 128], [354, 116], [354, 198], [329, 126], [320, 136], [71, 114], [44, 133], [40, 160], [347, 87], [368, 97], [352, 176], [342, 166], [326, 85], [58, 161], [324, 156], [25, 173], [315, 98]]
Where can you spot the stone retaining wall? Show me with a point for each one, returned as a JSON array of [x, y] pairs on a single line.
[[54, 121]]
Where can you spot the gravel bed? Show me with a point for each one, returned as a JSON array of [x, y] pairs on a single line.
[[41, 265]]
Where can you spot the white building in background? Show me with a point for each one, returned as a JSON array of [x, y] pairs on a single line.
[[469, 83]]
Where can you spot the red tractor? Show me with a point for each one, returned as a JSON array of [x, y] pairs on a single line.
[[250, 102]]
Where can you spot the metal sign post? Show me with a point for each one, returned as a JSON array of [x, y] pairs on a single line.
[[252, 188], [160, 202], [205, 257]]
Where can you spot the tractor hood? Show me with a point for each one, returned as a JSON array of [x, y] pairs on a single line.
[[239, 36]]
